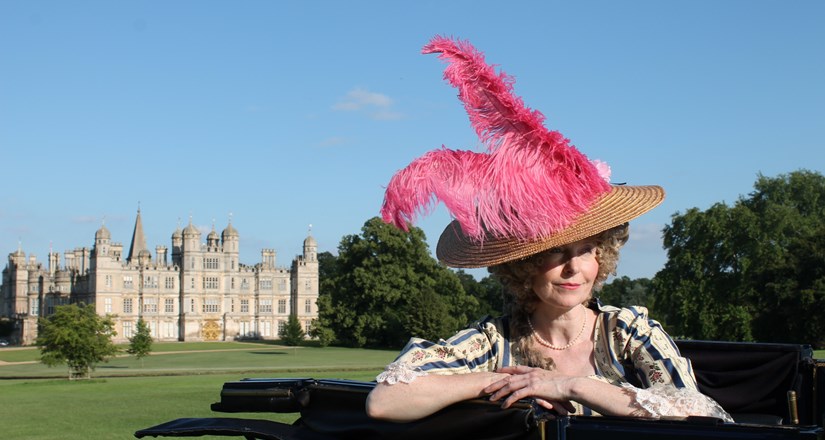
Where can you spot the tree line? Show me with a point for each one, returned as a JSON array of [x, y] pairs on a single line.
[[751, 271]]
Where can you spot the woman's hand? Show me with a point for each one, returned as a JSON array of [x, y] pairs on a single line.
[[549, 389]]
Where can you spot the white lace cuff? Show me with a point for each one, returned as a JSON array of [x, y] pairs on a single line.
[[667, 400], [399, 372]]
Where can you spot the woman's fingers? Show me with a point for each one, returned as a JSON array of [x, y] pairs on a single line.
[[497, 385], [516, 369], [545, 404], [513, 387], [561, 407], [524, 382], [568, 405]]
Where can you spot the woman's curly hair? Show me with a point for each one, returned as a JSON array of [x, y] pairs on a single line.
[[517, 278]]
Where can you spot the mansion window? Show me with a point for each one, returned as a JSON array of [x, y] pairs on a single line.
[[308, 306], [192, 305], [244, 306], [281, 326], [169, 305], [35, 306], [307, 327], [49, 305], [211, 305], [170, 330], [266, 283], [107, 305], [210, 283], [52, 302], [127, 306], [210, 263], [265, 306], [128, 330], [127, 282], [108, 280], [150, 305], [282, 285], [308, 285], [281, 306], [245, 329], [266, 328], [150, 281], [34, 288], [244, 284], [169, 283]]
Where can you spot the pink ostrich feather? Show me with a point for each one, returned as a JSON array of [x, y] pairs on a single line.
[[530, 183]]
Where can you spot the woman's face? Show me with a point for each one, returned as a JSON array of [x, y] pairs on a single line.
[[566, 277]]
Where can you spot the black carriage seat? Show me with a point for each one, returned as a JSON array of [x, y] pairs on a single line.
[[751, 380]]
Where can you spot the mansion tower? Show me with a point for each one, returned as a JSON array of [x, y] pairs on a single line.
[[201, 292]]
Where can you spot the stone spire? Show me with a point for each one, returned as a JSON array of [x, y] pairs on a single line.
[[138, 240]]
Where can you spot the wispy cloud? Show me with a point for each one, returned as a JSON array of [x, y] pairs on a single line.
[[332, 141], [377, 105], [645, 235], [253, 108]]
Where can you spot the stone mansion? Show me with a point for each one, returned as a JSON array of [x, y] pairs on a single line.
[[203, 294]]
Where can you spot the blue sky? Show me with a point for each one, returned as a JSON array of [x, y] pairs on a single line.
[[291, 113]]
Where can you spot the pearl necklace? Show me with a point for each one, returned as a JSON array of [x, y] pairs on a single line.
[[543, 342]]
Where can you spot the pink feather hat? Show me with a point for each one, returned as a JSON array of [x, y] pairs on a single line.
[[530, 191]]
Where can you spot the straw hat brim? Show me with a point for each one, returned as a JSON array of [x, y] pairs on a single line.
[[619, 206]]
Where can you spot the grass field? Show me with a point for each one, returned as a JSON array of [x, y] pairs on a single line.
[[177, 380], [206, 358]]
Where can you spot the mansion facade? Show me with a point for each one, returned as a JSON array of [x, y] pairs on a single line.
[[201, 293]]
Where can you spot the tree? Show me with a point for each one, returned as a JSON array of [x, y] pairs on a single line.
[[140, 345], [738, 272], [489, 293], [324, 335], [623, 292], [327, 271], [387, 287], [77, 336], [321, 329], [292, 334]]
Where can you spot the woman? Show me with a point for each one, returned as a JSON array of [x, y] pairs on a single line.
[[548, 223]]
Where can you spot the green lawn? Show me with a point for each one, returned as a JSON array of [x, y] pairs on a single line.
[[125, 396], [115, 408], [209, 358]]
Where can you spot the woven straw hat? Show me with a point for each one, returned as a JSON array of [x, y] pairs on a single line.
[[620, 205], [530, 191]]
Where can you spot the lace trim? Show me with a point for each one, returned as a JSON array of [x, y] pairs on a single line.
[[667, 400], [399, 372]]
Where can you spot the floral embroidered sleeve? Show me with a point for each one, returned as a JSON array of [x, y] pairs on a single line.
[[652, 353], [667, 385], [470, 350]]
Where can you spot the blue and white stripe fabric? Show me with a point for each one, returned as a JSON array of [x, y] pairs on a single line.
[[629, 348]]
